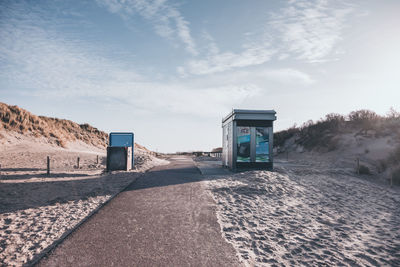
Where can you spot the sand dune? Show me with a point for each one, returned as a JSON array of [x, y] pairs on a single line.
[[305, 215], [59, 132], [37, 209]]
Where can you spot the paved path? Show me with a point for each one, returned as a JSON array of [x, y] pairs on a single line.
[[165, 218]]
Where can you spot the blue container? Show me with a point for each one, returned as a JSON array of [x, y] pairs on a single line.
[[119, 139]]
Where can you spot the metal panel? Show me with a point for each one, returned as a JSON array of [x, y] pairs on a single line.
[[266, 116], [119, 158], [225, 142], [252, 144], [244, 114], [271, 145], [254, 123], [223, 146], [228, 145], [233, 144]]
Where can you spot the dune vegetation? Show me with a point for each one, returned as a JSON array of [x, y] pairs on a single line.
[[327, 135], [57, 131]]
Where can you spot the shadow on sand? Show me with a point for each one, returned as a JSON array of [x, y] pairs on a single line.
[[21, 169], [170, 175], [18, 196], [40, 175]]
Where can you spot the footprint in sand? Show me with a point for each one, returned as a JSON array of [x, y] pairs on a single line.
[[367, 258], [7, 221]]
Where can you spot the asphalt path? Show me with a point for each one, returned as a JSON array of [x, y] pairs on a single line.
[[165, 218]]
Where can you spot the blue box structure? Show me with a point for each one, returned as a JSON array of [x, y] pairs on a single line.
[[122, 139]]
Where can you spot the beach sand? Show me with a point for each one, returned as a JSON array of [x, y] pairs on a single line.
[[304, 215], [37, 209]]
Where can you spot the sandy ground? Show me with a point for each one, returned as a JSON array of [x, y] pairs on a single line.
[[206, 158], [36, 209], [302, 215], [370, 150], [165, 218]]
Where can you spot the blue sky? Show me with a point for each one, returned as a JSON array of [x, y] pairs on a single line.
[[170, 70]]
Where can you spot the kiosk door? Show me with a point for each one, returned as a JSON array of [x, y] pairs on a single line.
[[252, 144]]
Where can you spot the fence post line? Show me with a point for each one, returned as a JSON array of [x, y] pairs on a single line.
[[48, 165]]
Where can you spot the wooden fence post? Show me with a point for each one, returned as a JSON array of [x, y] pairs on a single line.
[[48, 165], [77, 163], [358, 166], [0, 171], [97, 159]]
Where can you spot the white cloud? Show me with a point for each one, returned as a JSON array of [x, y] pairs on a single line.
[[306, 30], [48, 64], [39, 60], [167, 21], [55, 67], [220, 62], [216, 61], [260, 77], [309, 30], [42, 61]]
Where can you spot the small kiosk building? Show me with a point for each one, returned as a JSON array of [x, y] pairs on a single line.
[[248, 139]]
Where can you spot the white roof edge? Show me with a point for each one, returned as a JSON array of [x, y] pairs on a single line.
[[249, 112], [256, 111]]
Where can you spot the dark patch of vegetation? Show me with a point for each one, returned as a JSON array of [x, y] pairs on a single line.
[[394, 157], [382, 166], [313, 135], [364, 170], [321, 135], [396, 176], [394, 160], [281, 137], [58, 131]]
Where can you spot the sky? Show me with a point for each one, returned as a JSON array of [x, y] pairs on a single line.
[[171, 70]]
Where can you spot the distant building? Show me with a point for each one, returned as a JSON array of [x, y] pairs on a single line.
[[248, 139]]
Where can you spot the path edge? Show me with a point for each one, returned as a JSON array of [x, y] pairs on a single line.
[[37, 258]]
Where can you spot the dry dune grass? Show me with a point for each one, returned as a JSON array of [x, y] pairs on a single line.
[[321, 135], [57, 131], [37, 209], [361, 134]]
